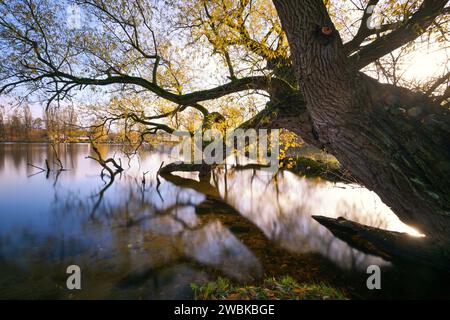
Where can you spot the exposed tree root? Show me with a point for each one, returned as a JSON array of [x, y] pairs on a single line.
[[390, 245]]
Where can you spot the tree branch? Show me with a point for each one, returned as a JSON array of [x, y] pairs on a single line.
[[407, 32], [392, 246], [440, 81]]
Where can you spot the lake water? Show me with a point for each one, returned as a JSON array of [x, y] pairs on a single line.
[[152, 240]]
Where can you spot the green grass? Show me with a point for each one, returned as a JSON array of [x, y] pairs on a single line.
[[285, 288]]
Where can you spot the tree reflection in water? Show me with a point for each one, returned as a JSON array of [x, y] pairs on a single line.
[[152, 240]]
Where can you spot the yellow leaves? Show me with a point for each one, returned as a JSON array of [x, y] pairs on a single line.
[[231, 23], [441, 39], [287, 140]]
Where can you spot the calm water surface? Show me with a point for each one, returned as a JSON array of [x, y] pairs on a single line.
[[153, 240]]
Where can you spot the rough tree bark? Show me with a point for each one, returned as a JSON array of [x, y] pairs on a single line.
[[391, 246], [394, 141]]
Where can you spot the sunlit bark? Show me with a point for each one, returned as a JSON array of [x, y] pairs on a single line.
[[394, 141]]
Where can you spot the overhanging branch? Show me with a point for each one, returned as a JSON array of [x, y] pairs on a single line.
[[407, 32]]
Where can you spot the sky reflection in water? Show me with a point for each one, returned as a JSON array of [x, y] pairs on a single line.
[[144, 242]]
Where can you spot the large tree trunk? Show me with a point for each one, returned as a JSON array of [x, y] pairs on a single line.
[[394, 141]]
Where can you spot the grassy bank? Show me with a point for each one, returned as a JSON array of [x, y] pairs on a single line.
[[311, 168], [285, 288]]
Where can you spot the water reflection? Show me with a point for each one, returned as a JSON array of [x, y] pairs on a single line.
[[282, 206], [153, 240]]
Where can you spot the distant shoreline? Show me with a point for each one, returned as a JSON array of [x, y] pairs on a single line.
[[72, 142], [48, 142]]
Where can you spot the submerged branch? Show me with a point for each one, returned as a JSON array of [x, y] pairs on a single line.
[[390, 245]]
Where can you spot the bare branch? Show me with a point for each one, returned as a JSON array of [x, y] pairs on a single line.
[[407, 32], [440, 81]]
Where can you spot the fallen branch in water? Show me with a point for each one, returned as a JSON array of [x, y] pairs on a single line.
[[390, 245], [250, 166], [203, 169], [117, 166], [103, 162], [181, 166], [58, 161], [47, 168], [32, 165], [112, 173]]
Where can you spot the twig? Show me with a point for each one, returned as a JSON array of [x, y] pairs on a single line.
[[32, 165]]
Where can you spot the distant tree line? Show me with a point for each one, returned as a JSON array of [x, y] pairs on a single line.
[[60, 125]]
